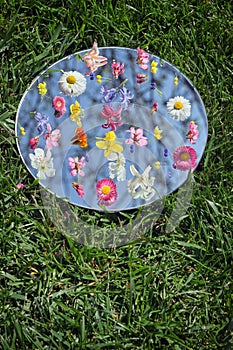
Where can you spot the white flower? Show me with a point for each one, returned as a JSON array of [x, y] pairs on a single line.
[[43, 163], [117, 167], [72, 83], [179, 108], [141, 180]]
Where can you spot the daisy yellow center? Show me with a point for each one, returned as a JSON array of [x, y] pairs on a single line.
[[184, 156], [59, 103], [71, 79], [178, 105], [106, 189]]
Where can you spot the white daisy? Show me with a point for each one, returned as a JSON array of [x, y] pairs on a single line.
[[117, 166], [179, 108], [43, 163], [72, 83], [141, 185]]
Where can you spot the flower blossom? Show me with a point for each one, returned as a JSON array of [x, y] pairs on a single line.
[[193, 133], [43, 163], [141, 185], [20, 185], [117, 166], [59, 105], [42, 121], [42, 88], [179, 108], [142, 59], [157, 133], [93, 60], [76, 113], [184, 158], [136, 137], [72, 83], [108, 94], [33, 142], [109, 144], [113, 117], [76, 166], [125, 97], [78, 188], [117, 69], [106, 192], [52, 137]]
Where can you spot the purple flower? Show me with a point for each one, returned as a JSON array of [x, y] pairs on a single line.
[[108, 94], [42, 121], [125, 97]]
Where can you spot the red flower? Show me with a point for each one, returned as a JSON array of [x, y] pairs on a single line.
[[34, 142]]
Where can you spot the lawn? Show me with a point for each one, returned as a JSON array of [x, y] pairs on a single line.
[[167, 290]]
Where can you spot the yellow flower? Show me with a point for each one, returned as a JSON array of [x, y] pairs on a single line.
[[42, 88], [176, 80], [154, 67], [157, 133], [157, 165], [99, 79], [76, 113], [109, 144], [22, 131]]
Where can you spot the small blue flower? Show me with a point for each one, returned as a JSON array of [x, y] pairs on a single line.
[[42, 121], [125, 97], [132, 148], [165, 152], [108, 94]]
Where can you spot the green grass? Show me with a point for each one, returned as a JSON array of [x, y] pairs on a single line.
[[166, 291]]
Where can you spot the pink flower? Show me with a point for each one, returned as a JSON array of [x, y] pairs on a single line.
[[20, 185], [76, 166], [59, 105], [33, 142], [106, 192], [184, 158], [117, 69], [142, 59], [136, 137], [113, 117], [52, 137], [193, 133], [78, 188]]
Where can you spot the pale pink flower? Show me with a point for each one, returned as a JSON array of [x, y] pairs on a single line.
[[184, 158], [193, 133], [52, 137], [20, 185], [106, 192], [93, 60], [113, 117], [136, 137], [78, 188], [142, 59], [76, 165]]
